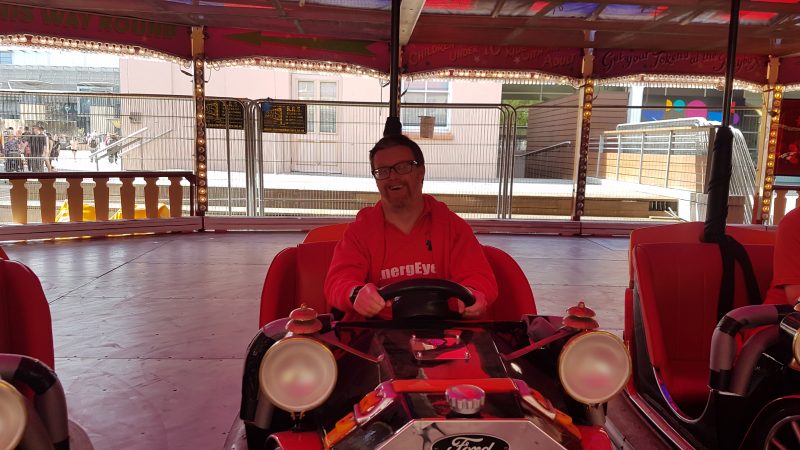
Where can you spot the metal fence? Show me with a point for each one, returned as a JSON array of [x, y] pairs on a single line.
[[471, 157], [66, 133], [326, 171], [673, 155], [668, 153]]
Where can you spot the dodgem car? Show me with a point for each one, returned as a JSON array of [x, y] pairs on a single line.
[[33, 408], [39, 419], [713, 367], [425, 379]]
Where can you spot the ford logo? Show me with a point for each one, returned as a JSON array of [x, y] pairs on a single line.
[[470, 442]]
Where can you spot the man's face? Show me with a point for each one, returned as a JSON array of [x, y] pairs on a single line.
[[398, 190]]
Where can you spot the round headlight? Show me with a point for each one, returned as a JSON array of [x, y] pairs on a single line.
[[13, 416], [796, 346], [297, 374], [594, 366]]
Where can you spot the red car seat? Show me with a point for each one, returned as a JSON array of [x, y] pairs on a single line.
[[333, 232], [678, 286], [693, 232], [297, 275], [688, 232], [25, 327]]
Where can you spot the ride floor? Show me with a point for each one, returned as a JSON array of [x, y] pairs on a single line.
[[150, 331]]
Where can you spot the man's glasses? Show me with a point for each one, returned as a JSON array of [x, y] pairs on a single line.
[[401, 168]]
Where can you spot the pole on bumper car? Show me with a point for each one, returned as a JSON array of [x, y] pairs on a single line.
[[393, 125], [719, 180]]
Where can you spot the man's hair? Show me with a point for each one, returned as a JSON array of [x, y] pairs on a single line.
[[395, 141]]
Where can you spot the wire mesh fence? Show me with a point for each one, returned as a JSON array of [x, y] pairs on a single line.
[[476, 159], [326, 170], [82, 132]]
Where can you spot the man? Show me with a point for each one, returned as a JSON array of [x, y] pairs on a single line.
[[12, 152], [405, 235], [37, 142], [785, 287]]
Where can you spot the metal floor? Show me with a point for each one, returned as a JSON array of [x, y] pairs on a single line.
[[150, 331]]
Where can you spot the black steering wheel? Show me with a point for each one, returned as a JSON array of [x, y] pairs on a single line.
[[425, 298]]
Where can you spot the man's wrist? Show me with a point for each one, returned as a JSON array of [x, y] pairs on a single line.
[[354, 293]]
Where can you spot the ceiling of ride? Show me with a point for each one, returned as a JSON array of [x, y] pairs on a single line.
[[768, 27], [361, 28]]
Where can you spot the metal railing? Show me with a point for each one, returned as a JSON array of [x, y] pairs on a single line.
[[674, 155], [325, 171]]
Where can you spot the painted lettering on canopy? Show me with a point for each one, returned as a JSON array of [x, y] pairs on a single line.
[[14, 13], [45, 21], [418, 55], [435, 56], [617, 61], [53, 18], [136, 27], [629, 62]]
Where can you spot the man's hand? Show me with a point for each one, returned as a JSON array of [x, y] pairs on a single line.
[[368, 301], [477, 309]]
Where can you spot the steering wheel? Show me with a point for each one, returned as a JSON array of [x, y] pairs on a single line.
[[425, 298]]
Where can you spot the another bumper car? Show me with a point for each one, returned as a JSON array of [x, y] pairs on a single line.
[[713, 368], [33, 409]]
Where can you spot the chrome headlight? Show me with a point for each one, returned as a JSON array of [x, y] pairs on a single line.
[[594, 366], [297, 374], [13, 416]]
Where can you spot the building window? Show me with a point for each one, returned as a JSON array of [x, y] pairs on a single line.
[[320, 118], [5, 57], [427, 91]]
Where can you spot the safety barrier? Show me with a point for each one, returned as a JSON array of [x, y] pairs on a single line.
[[323, 170]]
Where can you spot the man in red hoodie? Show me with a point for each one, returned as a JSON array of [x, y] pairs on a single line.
[[407, 234]]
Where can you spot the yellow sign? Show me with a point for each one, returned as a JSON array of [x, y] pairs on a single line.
[[284, 117], [224, 114]]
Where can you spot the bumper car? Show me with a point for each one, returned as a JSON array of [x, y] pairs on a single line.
[[38, 420], [33, 408], [425, 379], [712, 366]]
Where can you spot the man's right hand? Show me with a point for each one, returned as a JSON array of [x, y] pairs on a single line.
[[368, 301]]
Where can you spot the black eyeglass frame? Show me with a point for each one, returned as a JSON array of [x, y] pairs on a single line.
[[411, 164]]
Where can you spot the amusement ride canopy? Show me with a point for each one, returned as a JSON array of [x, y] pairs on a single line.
[[509, 39]]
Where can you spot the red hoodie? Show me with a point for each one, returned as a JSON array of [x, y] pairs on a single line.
[[441, 245]]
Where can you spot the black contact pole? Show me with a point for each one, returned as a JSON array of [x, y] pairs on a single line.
[[720, 177], [393, 125]]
